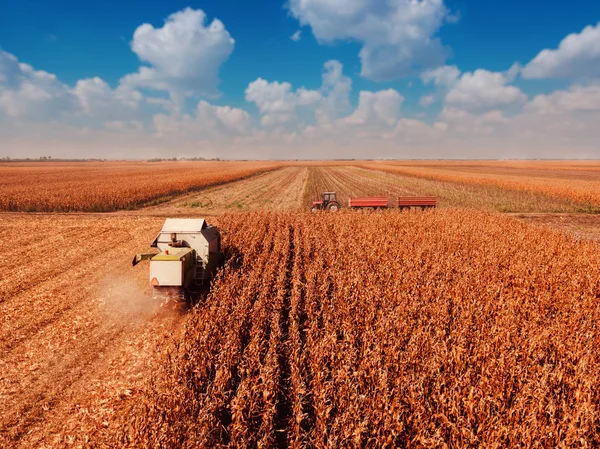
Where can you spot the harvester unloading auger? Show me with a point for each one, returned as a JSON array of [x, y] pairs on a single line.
[[188, 258]]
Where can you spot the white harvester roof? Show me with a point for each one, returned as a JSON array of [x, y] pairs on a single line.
[[184, 225], [193, 232]]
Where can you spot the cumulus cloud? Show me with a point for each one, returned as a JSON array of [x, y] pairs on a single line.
[[233, 120], [576, 99], [296, 36], [477, 91], [280, 105], [335, 91], [30, 93], [445, 76], [483, 90], [577, 56], [376, 108], [185, 55], [397, 36], [99, 100], [209, 123], [276, 101]]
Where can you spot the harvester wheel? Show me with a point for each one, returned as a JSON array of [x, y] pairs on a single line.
[[333, 207]]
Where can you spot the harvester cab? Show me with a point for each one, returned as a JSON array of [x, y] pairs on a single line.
[[188, 258], [329, 202]]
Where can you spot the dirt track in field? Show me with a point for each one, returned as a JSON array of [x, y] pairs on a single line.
[[281, 189], [352, 182]]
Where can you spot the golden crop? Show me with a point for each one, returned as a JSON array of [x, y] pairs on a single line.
[[569, 181], [108, 186], [449, 328]]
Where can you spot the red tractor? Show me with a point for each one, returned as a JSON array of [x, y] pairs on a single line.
[[328, 203]]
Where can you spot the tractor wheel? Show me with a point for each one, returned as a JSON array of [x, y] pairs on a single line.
[[333, 207]]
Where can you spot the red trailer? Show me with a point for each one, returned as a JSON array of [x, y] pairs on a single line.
[[424, 202], [375, 202], [329, 202]]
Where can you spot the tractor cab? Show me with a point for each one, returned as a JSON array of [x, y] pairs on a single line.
[[329, 202]]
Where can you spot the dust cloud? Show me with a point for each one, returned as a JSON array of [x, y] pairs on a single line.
[[125, 301]]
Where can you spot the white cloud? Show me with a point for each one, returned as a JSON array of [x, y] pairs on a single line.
[[185, 55], [277, 102], [576, 99], [99, 100], [577, 56], [397, 35], [35, 94], [376, 108], [210, 124], [483, 90], [29, 95], [477, 91], [483, 115], [163, 103], [280, 105], [335, 91], [233, 120], [296, 36], [445, 76]]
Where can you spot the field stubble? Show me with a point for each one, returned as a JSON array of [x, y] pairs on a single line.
[[280, 189], [357, 181], [577, 185], [78, 332]]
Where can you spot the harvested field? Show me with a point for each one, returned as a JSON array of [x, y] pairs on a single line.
[[280, 189], [355, 181], [470, 330], [578, 184], [78, 330], [109, 186]]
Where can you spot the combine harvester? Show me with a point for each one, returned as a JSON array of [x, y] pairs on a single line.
[[188, 258], [329, 202]]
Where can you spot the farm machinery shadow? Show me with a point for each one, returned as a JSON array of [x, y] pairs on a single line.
[[232, 261]]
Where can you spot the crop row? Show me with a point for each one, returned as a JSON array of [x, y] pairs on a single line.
[[442, 329], [108, 186], [579, 190]]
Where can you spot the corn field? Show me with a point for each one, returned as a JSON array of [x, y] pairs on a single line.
[[446, 329], [110, 186]]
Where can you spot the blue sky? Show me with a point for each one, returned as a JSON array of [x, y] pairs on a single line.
[[75, 41]]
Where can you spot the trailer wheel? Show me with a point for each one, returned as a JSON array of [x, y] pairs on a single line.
[[333, 207]]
